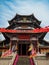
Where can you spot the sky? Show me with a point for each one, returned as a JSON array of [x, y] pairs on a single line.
[[9, 8]]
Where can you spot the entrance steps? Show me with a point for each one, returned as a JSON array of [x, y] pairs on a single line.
[[23, 60]]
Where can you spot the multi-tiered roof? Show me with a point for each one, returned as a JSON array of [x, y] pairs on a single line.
[[25, 20]]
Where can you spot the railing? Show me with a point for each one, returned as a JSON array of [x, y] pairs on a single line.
[[32, 61], [16, 59], [35, 62]]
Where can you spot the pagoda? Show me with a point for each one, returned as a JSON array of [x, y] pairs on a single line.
[[22, 40]]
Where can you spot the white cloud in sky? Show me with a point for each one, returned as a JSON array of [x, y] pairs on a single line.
[[1, 37], [39, 9]]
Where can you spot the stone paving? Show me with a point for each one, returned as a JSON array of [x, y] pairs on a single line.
[[41, 60], [23, 61]]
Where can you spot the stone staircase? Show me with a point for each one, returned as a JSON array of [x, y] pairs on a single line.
[[23, 61]]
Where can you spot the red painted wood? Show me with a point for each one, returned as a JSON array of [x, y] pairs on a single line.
[[37, 30], [24, 36], [16, 60]]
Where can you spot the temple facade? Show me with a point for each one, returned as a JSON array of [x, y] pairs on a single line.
[[23, 39]]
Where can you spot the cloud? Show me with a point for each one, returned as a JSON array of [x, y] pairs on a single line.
[[1, 37], [47, 37]]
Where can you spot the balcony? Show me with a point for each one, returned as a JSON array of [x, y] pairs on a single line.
[[24, 28]]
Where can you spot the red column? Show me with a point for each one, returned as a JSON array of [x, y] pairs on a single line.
[[10, 44], [21, 49]]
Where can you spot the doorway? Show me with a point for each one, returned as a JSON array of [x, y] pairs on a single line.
[[23, 49]]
